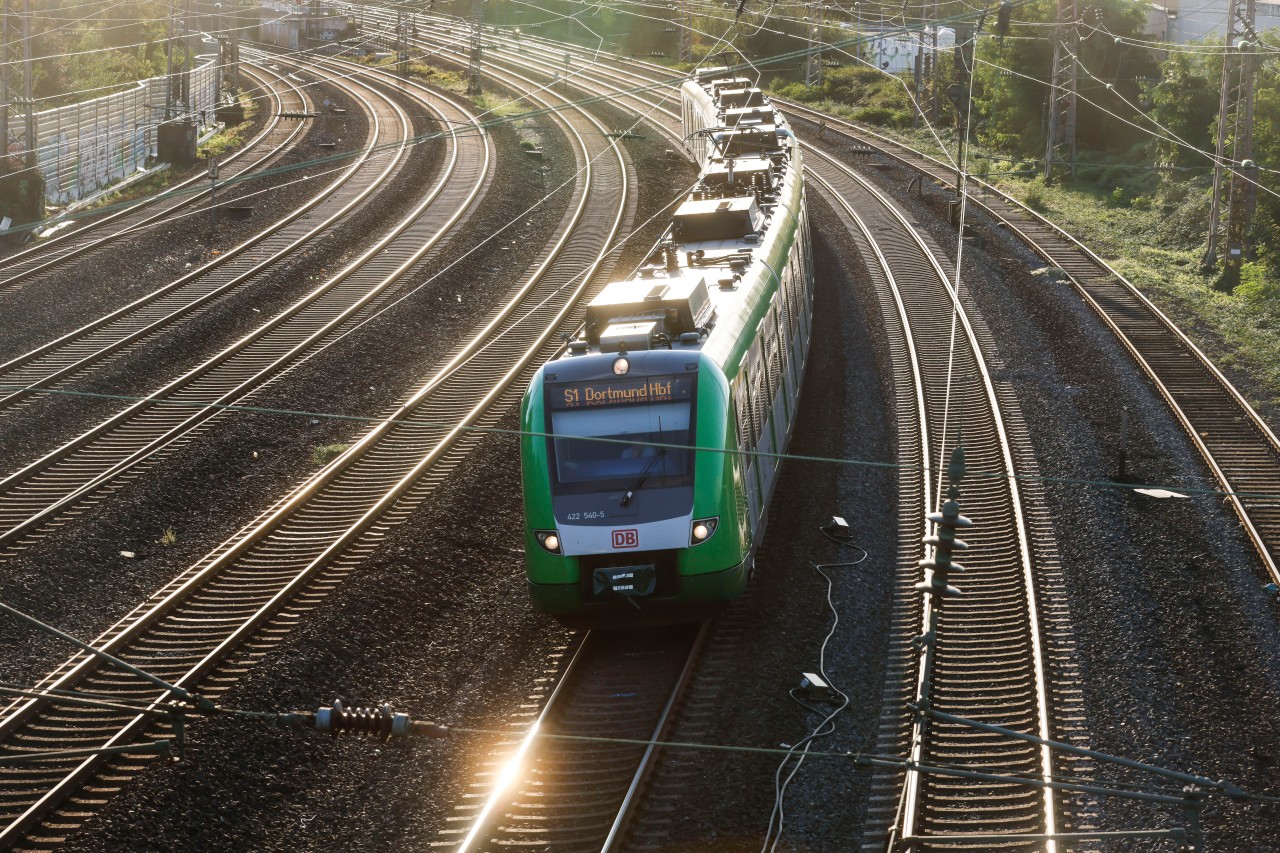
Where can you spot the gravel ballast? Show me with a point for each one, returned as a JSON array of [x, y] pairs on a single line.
[[1178, 648]]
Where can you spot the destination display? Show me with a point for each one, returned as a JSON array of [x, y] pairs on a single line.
[[620, 391]]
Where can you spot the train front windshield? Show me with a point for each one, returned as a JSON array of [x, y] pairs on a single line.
[[638, 416]]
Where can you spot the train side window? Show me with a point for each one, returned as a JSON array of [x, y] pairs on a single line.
[[772, 360], [760, 366], [760, 399], [795, 298], [746, 433], [807, 265], [758, 379], [780, 319]]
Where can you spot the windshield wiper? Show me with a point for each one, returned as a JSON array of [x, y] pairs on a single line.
[[644, 475]]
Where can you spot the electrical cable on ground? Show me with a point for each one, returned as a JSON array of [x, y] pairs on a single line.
[[824, 728]]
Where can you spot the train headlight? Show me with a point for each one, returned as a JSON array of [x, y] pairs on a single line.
[[548, 539], [702, 530], [621, 365]]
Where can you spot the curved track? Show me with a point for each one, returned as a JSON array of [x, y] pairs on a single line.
[[276, 137], [1241, 451], [55, 364], [298, 549], [990, 663], [117, 447]]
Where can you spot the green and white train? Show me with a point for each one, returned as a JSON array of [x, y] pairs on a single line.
[[703, 347]]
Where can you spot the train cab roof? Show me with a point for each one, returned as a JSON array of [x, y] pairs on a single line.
[[708, 276], [642, 313], [674, 301]]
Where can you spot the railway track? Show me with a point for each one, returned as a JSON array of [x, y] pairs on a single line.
[[277, 136], [1240, 450], [119, 445], [989, 661], [300, 548], [991, 665], [55, 364], [580, 795]]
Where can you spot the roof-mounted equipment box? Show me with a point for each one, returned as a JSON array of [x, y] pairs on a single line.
[[705, 220]]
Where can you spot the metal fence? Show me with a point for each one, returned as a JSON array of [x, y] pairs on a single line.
[[83, 147]]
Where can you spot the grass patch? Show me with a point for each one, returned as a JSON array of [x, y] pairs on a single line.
[[441, 78], [151, 185], [326, 453], [1155, 237], [168, 537], [231, 138], [1239, 331]]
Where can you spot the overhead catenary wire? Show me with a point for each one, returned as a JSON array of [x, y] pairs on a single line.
[[1063, 781], [985, 62], [789, 778], [1052, 479], [1177, 489], [1192, 490]]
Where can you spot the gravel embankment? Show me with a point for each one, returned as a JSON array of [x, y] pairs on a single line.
[[1177, 646], [437, 623]]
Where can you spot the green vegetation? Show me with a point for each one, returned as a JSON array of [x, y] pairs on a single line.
[[326, 453], [232, 137], [1140, 190], [79, 54], [168, 537], [1146, 243], [1141, 187], [441, 78]]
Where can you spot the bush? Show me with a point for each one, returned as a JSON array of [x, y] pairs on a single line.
[[1185, 214], [1035, 197], [873, 115], [1256, 285]]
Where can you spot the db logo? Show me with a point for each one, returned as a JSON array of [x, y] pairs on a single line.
[[626, 538]]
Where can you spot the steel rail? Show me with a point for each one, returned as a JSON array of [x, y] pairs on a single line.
[[1043, 815], [599, 71], [1239, 448], [1003, 616], [552, 64], [330, 523], [47, 487], [615, 686], [630, 805], [259, 152], [46, 366]]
